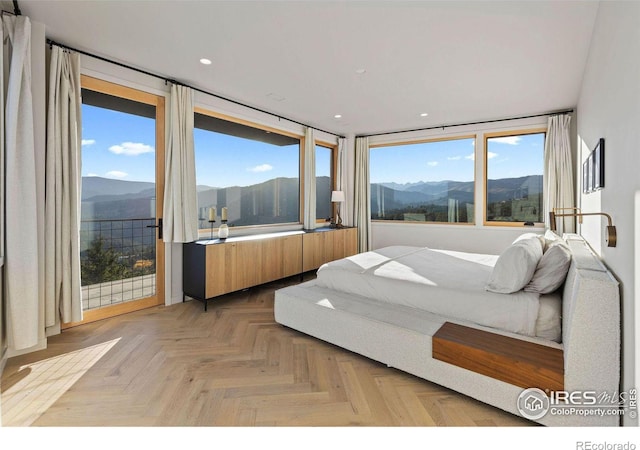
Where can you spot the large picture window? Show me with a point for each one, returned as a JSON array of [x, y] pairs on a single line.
[[514, 185], [253, 172], [424, 182]]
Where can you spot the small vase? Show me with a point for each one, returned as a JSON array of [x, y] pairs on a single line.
[[223, 231]]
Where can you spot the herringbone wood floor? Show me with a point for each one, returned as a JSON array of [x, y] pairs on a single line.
[[229, 366]]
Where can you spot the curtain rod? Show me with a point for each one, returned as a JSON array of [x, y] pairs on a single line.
[[169, 80], [468, 123]]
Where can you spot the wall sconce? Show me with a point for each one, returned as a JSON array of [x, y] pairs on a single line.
[[611, 237], [338, 197], [573, 208]]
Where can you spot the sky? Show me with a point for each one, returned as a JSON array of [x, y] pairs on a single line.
[[122, 146], [117, 145], [509, 157]]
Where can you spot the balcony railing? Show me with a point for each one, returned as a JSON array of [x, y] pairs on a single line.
[[118, 260]]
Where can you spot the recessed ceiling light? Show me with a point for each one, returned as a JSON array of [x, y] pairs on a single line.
[[205, 61], [424, 115], [338, 116], [360, 71]]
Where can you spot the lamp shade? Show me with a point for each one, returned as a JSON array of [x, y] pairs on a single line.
[[337, 196]]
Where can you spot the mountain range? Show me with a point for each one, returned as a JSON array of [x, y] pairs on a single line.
[[398, 196], [105, 198]]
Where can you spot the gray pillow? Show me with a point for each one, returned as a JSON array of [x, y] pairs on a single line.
[[515, 266], [552, 269]]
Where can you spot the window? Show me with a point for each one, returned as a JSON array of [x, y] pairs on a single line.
[[514, 168], [253, 172], [324, 182], [423, 182]]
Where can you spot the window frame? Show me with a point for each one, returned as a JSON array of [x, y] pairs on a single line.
[[485, 200], [333, 174], [473, 136], [299, 137], [159, 102]]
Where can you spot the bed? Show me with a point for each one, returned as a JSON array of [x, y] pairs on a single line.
[[388, 305]]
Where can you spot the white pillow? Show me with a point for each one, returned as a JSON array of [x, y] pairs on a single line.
[[515, 266], [551, 237], [529, 236], [552, 269]]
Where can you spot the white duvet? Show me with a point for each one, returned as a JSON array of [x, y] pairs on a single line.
[[447, 283]]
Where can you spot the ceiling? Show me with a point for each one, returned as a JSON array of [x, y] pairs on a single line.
[[457, 61]]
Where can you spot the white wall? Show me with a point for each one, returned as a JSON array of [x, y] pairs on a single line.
[[609, 108], [476, 238]]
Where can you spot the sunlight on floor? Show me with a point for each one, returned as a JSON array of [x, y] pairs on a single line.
[[40, 384]]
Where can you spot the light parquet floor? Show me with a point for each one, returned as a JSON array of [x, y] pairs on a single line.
[[229, 366]]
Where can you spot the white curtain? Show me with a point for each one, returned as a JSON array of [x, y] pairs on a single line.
[[63, 295], [309, 218], [180, 204], [558, 171], [454, 211], [342, 183], [362, 200], [22, 287]]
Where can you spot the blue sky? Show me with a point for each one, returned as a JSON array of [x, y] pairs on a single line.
[[122, 146], [117, 145], [509, 157]]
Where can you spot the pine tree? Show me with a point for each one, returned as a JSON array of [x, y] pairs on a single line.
[[101, 264]]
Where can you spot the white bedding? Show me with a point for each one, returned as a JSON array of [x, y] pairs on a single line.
[[447, 283]]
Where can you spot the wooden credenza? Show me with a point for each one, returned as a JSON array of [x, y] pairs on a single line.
[[211, 268], [327, 244]]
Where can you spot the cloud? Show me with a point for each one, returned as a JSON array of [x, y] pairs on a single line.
[[472, 156], [261, 168], [454, 158], [92, 175], [131, 149], [510, 140], [116, 174], [432, 163], [86, 142]]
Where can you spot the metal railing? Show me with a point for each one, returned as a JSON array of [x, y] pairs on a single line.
[[117, 258]]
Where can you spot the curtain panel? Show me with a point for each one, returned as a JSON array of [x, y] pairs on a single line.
[[362, 199], [558, 171], [180, 201], [63, 295], [342, 183], [23, 290], [309, 218]]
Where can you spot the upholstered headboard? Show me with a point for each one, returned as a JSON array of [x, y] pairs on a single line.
[[590, 322]]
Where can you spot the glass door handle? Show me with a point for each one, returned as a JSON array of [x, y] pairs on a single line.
[[159, 227]]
